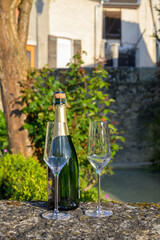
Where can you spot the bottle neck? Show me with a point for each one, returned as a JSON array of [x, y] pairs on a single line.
[[60, 113], [60, 126]]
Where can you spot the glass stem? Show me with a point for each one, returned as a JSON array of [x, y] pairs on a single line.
[[98, 203], [56, 194]]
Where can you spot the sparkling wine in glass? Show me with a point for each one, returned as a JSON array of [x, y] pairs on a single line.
[[98, 154], [56, 154]]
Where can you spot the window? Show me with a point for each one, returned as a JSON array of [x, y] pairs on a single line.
[[31, 55], [64, 51], [112, 25], [61, 50]]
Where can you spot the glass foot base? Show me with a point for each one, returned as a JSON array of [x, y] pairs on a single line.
[[98, 213], [57, 216]]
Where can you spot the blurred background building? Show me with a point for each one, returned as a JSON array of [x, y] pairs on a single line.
[[119, 31]]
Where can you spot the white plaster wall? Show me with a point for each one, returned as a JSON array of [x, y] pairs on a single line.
[[38, 32], [43, 31], [147, 47], [129, 27], [32, 27], [75, 20], [99, 35]]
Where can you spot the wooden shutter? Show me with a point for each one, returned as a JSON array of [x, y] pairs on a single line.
[[77, 46], [52, 51]]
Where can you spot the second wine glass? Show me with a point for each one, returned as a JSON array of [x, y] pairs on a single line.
[[98, 154]]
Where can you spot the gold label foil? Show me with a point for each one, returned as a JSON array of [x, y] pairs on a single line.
[[60, 126]]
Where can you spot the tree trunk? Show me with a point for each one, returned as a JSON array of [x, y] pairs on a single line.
[[13, 69]]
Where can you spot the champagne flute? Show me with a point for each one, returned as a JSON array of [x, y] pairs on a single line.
[[98, 154], [56, 155]]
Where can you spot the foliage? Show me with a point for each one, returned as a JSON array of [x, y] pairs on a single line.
[[22, 179], [87, 98], [3, 134], [38, 98], [89, 196]]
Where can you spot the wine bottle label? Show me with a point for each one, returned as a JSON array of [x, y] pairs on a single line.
[[61, 129], [60, 126]]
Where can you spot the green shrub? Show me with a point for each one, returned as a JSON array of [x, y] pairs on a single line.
[[3, 134], [87, 97], [90, 196], [22, 179]]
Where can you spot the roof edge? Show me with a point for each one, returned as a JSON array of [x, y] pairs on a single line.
[[122, 5]]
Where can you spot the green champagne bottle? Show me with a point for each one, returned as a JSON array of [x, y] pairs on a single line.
[[69, 175]]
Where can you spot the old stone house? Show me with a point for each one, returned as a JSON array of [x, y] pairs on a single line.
[[120, 31]]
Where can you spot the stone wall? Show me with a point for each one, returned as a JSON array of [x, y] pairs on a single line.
[[137, 107], [23, 220]]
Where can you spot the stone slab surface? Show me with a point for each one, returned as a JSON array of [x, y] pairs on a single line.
[[22, 220]]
